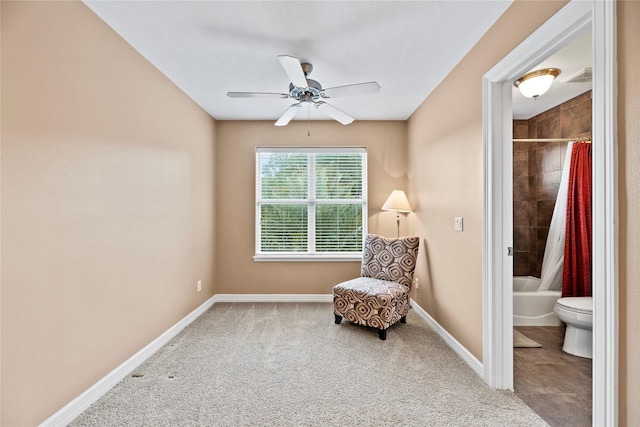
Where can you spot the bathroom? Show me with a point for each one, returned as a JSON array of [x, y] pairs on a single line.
[[543, 372], [538, 163]]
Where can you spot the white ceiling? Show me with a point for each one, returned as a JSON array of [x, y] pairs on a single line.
[[208, 48]]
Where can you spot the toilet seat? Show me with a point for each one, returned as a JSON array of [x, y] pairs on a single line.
[[581, 305]]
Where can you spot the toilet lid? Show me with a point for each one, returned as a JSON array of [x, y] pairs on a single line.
[[578, 304]]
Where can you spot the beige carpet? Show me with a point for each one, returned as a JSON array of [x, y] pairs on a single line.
[[522, 341], [289, 364]]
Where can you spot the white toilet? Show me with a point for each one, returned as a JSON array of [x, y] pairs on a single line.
[[577, 313]]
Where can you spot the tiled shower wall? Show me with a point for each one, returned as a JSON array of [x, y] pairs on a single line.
[[537, 167]]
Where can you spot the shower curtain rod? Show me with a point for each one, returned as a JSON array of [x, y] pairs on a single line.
[[551, 139]]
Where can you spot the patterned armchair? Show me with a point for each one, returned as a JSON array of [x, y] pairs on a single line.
[[380, 297]]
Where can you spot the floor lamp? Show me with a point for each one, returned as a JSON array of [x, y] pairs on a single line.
[[398, 202]]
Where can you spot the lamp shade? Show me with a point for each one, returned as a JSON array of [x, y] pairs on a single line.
[[397, 201], [536, 83]]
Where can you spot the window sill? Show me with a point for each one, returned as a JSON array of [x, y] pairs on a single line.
[[308, 258]]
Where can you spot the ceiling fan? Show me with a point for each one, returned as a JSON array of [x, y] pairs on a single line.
[[310, 92]]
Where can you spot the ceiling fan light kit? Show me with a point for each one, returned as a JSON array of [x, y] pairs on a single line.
[[308, 91]]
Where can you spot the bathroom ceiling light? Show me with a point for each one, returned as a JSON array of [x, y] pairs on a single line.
[[536, 83]]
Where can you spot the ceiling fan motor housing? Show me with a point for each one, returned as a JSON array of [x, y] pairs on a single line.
[[310, 93]]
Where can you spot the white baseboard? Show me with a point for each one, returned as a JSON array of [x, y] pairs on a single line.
[[273, 298], [454, 344], [78, 405]]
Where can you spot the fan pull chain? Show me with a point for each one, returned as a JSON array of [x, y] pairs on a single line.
[[309, 120]]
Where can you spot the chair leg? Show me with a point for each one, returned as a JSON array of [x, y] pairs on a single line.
[[338, 319], [382, 333], [403, 319]]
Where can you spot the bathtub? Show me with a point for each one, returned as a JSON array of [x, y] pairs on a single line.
[[532, 307]]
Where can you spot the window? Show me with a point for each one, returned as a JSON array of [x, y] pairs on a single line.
[[311, 203]]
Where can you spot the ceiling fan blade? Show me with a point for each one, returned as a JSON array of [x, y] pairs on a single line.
[[368, 88], [334, 113], [256, 95], [293, 69], [288, 115]]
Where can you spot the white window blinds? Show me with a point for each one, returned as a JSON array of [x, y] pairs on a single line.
[[310, 201]]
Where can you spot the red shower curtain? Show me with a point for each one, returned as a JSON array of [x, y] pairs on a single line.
[[576, 277]]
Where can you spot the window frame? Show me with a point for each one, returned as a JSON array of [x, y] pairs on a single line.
[[311, 202]]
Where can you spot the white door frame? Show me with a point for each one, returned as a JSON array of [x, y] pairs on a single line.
[[497, 203]]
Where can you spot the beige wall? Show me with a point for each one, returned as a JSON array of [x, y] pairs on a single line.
[[445, 178], [629, 199], [237, 273], [107, 205]]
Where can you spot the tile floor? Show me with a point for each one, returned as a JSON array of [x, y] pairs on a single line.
[[553, 383]]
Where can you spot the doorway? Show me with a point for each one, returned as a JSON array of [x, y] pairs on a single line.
[[544, 129], [497, 209]]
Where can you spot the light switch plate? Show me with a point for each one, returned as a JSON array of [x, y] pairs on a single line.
[[457, 223]]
